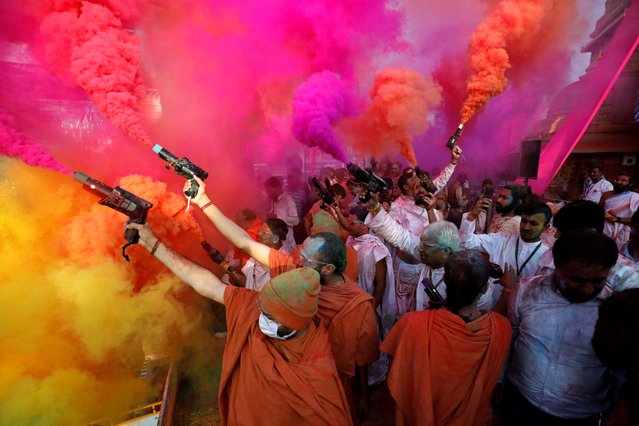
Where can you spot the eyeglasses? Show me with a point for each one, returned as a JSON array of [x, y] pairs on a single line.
[[424, 246], [307, 261]]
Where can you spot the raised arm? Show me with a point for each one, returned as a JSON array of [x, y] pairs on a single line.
[[467, 236], [383, 225], [231, 230], [445, 175], [200, 279]]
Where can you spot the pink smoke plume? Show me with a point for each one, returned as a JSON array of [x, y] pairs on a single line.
[[88, 43], [15, 145], [400, 103], [490, 46], [318, 104]]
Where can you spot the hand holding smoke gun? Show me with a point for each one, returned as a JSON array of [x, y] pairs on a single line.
[[183, 167], [119, 200], [324, 193], [368, 180], [216, 256], [452, 141]]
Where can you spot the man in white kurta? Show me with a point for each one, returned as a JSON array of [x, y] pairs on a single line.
[[282, 206], [432, 248], [521, 252], [596, 184], [414, 218], [620, 204], [370, 251]]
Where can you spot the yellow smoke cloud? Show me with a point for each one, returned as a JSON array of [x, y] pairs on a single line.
[[76, 319]]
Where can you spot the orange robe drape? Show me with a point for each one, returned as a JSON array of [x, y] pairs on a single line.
[[272, 382], [347, 312], [444, 370]]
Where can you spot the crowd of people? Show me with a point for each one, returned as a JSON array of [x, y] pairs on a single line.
[[471, 307]]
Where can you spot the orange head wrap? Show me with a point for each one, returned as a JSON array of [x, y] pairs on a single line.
[[324, 222], [291, 298]]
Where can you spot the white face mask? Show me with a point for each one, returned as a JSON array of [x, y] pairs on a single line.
[[269, 328]]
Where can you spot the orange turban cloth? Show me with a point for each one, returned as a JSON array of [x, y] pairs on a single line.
[[291, 297], [324, 222]]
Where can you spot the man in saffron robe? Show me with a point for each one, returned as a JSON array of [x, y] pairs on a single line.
[[347, 311], [277, 367], [446, 362]]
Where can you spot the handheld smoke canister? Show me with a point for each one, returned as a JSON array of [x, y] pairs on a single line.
[[121, 201], [183, 167], [452, 141]]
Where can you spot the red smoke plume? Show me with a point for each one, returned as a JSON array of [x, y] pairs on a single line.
[[401, 100], [88, 43], [511, 23]]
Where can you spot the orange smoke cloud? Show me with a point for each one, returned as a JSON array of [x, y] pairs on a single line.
[[400, 102], [511, 25], [77, 320]]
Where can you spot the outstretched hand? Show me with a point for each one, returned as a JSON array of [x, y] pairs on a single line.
[[509, 279], [200, 198], [425, 199], [481, 204], [147, 237], [455, 153]]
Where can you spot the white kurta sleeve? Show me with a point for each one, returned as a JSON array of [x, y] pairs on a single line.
[[382, 224]]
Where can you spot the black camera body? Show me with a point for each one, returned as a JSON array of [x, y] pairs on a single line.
[[495, 271], [425, 180], [325, 193], [431, 291], [368, 180]]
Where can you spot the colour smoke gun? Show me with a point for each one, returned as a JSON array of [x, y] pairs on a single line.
[[452, 141], [183, 167], [121, 201]]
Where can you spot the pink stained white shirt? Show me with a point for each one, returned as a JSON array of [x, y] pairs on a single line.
[[284, 208], [401, 238], [370, 250], [503, 248], [553, 363], [594, 190], [620, 205], [623, 275]]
